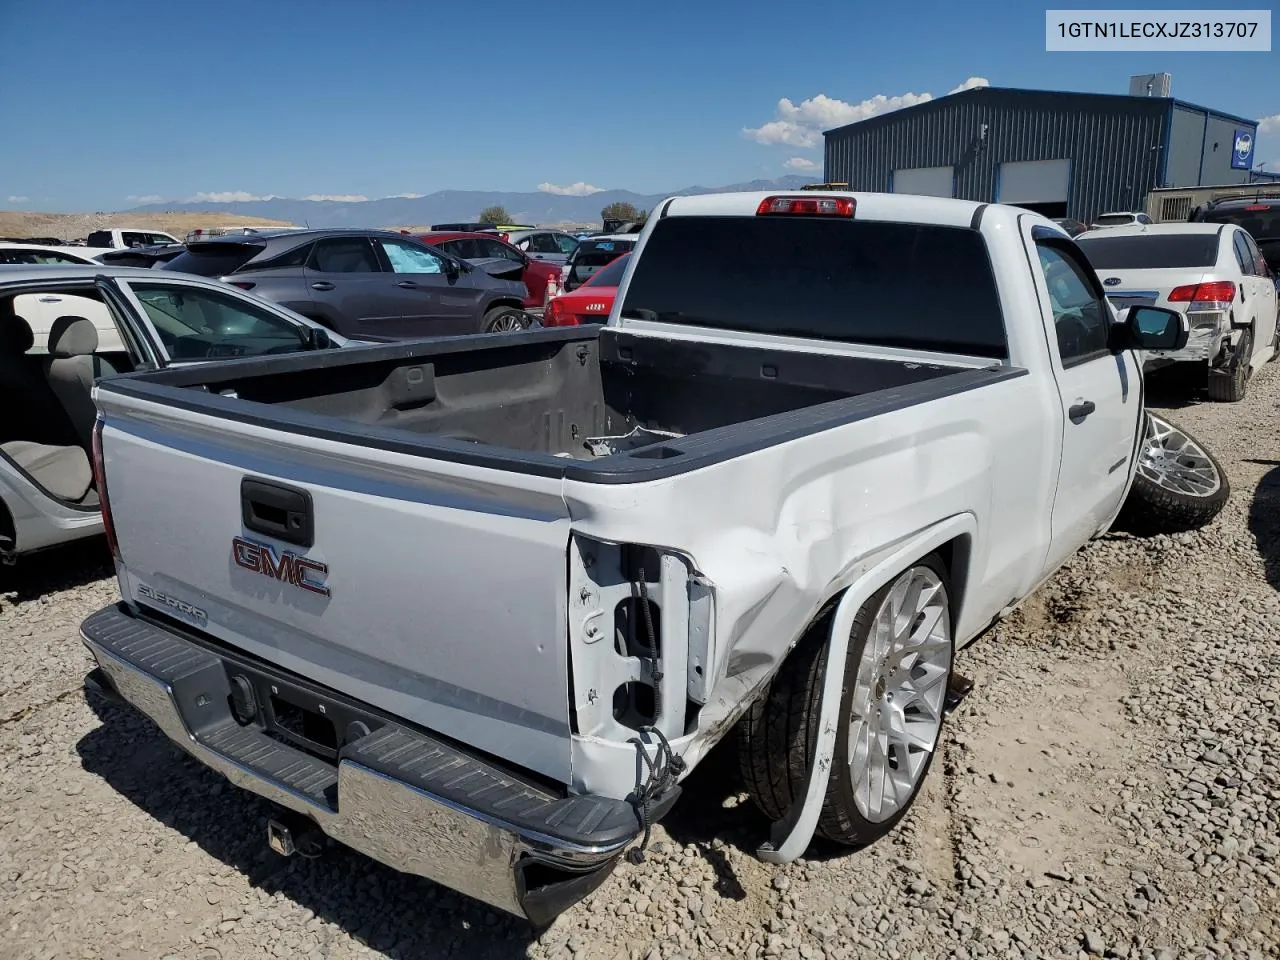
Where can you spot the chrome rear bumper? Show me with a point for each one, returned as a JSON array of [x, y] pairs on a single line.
[[414, 803]]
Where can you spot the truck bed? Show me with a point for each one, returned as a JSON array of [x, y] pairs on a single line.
[[592, 404]]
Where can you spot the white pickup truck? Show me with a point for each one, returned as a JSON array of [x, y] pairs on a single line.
[[476, 606]]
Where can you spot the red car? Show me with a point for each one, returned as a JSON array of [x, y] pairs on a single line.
[[486, 246], [591, 302]]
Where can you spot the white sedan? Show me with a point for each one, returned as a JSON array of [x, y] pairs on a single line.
[[41, 310], [1211, 272]]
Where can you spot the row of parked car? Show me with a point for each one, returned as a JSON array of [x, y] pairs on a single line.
[[375, 284]]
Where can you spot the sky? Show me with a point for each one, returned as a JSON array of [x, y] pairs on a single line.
[[127, 103]]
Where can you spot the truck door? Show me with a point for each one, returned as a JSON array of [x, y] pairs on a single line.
[[1100, 391]]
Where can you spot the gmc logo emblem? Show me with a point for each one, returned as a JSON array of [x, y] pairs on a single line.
[[286, 567]]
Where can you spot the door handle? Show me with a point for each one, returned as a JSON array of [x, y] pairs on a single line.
[[1079, 411], [50, 299], [322, 285], [278, 511], [407, 284]]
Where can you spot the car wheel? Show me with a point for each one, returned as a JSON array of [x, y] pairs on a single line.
[[891, 712], [1178, 485], [1229, 385], [503, 320]]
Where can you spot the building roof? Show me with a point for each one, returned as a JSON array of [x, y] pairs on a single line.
[[984, 92]]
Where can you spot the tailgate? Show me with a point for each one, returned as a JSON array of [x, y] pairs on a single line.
[[434, 591]]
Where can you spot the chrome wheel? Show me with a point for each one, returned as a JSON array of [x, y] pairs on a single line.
[[1174, 461], [507, 323], [899, 694]]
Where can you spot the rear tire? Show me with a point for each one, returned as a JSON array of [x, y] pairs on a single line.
[[1178, 486], [908, 621], [1229, 386], [503, 320]]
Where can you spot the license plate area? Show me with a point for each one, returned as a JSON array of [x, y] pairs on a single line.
[[299, 716]]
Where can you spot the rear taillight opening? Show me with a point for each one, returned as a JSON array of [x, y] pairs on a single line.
[[807, 206], [557, 316], [1219, 291], [1256, 207], [100, 482]]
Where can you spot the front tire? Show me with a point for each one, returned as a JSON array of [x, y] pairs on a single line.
[[503, 320], [1178, 484], [891, 712]]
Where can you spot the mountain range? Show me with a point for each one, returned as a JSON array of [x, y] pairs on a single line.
[[447, 205]]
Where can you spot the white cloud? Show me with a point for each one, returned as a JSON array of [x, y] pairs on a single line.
[[145, 198], [579, 189], [971, 84], [227, 196], [801, 125], [1269, 124], [404, 196], [337, 197], [15, 198], [800, 163]]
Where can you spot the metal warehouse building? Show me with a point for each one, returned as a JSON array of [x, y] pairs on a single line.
[[1062, 154]]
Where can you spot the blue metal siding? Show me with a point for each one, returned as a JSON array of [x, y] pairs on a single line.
[[1115, 144], [1185, 137], [1219, 137]]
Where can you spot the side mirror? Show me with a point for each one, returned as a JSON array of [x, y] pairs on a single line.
[[318, 338], [451, 269], [1151, 328]]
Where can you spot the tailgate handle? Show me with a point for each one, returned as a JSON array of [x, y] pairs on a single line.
[[277, 511]]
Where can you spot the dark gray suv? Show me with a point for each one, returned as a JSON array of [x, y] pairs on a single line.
[[367, 284]]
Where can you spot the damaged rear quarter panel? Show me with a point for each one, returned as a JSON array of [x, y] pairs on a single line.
[[781, 530]]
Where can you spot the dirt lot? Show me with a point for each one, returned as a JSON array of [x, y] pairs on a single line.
[[1110, 788], [73, 226]]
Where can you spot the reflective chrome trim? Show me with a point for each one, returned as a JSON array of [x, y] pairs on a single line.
[[397, 824]]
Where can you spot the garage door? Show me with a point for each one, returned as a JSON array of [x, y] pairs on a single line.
[[925, 181], [1034, 181]]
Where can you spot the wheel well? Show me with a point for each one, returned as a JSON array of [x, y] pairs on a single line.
[[498, 304], [8, 531], [955, 556]]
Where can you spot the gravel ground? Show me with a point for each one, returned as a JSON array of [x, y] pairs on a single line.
[[1110, 788]]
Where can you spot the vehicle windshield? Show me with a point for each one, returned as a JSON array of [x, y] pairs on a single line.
[[915, 286], [1149, 252], [609, 276], [1113, 219], [1261, 224], [198, 324]]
